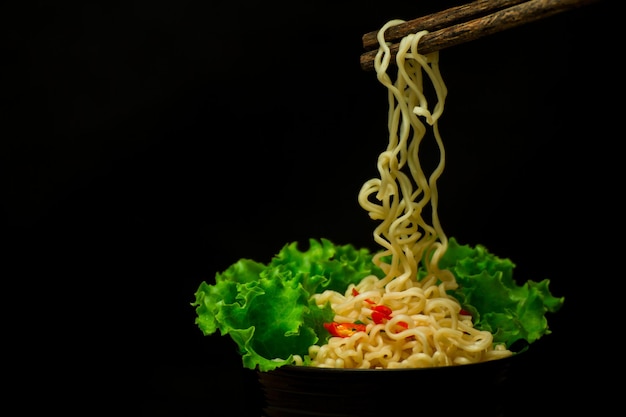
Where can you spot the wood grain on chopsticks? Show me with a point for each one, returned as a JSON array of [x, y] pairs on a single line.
[[477, 19]]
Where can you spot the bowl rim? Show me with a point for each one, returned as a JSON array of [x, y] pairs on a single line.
[[498, 362]]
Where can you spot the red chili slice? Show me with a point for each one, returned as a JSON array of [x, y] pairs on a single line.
[[378, 317], [344, 329], [384, 310], [381, 314]]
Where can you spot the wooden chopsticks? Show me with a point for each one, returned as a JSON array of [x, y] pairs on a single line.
[[464, 23]]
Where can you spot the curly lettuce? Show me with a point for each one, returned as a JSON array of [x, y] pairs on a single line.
[[268, 310], [511, 312]]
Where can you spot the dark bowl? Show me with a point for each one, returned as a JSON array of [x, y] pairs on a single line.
[[484, 389]]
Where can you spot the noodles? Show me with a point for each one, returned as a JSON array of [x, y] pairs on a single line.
[[410, 320]]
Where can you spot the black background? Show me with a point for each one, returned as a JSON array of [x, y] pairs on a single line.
[[150, 144]]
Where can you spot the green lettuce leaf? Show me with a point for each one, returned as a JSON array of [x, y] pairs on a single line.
[[498, 304]]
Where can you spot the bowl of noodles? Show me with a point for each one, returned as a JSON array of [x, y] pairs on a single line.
[[422, 324]]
